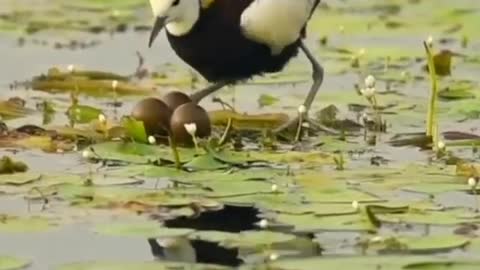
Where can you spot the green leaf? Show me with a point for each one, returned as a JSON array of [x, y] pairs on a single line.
[[373, 262], [13, 263], [33, 224], [415, 216], [119, 265], [312, 223], [83, 114], [135, 129], [205, 163], [420, 244], [19, 179], [245, 239], [445, 265], [139, 153], [266, 100]]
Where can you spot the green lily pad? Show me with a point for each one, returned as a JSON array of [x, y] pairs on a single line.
[[19, 179], [435, 188], [33, 224], [13, 263], [313, 223], [139, 153], [415, 216], [246, 239], [135, 129], [445, 265], [421, 244], [371, 262], [205, 162], [103, 265], [83, 113], [267, 100]]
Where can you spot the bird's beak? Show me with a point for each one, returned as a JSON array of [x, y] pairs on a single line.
[[157, 27]]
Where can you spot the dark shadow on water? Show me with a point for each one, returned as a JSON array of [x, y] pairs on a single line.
[[205, 252], [228, 219], [231, 219]]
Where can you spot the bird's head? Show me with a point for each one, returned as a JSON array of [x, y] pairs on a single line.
[[180, 14]]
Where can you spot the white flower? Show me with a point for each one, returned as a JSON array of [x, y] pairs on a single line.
[[152, 140], [102, 119], [114, 84], [430, 41], [273, 256], [368, 92], [71, 68], [376, 239], [472, 182], [441, 145], [263, 223], [116, 13], [362, 52], [302, 109], [274, 188], [355, 205], [191, 129], [370, 81], [86, 154]]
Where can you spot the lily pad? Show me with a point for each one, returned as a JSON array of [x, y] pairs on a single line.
[[13, 263], [312, 223], [245, 239], [14, 224], [370, 262], [103, 265], [420, 245]]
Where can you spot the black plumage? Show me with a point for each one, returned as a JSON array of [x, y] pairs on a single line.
[[218, 50]]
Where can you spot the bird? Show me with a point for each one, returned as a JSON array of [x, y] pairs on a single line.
[[230, 41]]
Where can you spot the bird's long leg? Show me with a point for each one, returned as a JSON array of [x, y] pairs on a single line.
[[317, 76], [202, 93]]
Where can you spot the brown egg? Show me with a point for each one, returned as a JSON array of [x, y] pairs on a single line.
[[155, 115], [175, 99], [186, 114]]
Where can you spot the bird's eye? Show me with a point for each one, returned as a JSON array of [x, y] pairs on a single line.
[[175, 3]]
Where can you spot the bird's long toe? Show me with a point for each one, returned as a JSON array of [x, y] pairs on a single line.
[[294, 130]]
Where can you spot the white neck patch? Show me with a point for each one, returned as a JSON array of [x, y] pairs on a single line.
[[184, 17], [275, 23]]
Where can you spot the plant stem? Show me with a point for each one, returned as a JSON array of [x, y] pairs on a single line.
[[477, 205], [173, 145], [430, 132]]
